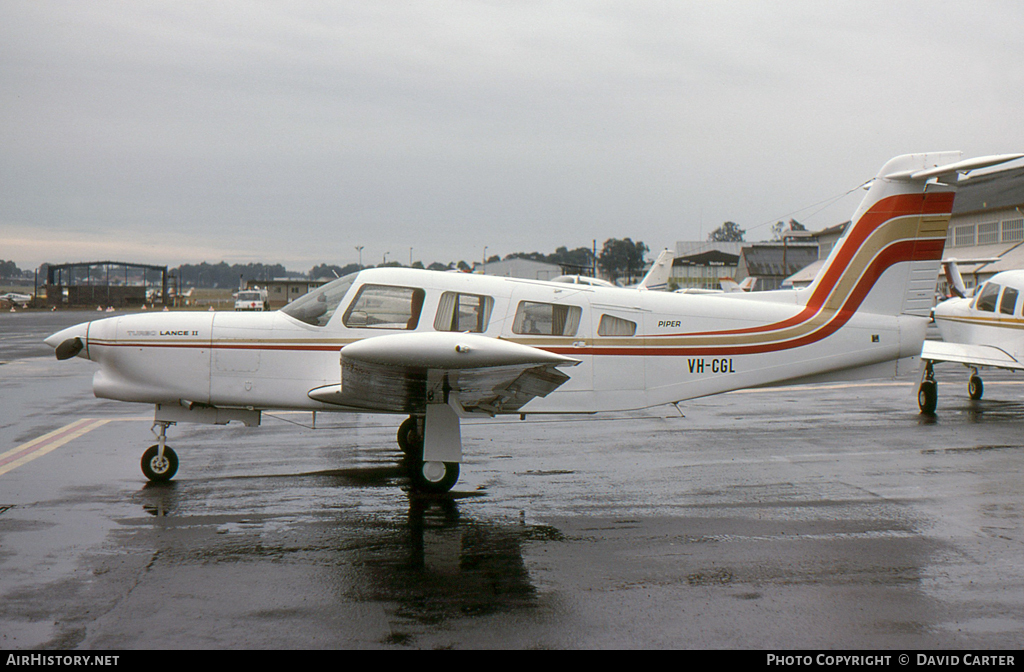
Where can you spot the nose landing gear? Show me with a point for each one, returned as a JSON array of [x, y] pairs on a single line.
[[160, 462]]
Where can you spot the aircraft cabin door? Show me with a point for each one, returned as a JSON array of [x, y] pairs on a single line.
[[559, 322], [618, 361]]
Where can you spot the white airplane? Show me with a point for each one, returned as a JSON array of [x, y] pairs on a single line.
[[955, 281], [655, 280], [440, 347], [727, 285], [977, 331], [730, 285], [15, 297], [582, 280], [657, 277]]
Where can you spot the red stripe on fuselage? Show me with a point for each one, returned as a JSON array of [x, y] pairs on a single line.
[[903, 205], [216, 346], [901, 251], [887, 209]]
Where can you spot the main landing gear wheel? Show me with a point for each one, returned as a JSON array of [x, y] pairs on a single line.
[[410, 439], [975, 388], [928, 396], [433, 477], [159, 469]]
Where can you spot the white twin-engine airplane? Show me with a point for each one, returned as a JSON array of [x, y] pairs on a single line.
[[984, 330], [439, 347]]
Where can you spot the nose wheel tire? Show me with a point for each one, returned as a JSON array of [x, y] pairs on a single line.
[[158, 468]]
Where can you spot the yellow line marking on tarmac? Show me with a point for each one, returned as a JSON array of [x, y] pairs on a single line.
[[30, 450]]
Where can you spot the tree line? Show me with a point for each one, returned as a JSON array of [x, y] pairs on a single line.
[[730, 232], [9, 270], [617, 259]]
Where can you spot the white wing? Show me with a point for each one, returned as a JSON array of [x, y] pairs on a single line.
[[972, 355], [402, 373]]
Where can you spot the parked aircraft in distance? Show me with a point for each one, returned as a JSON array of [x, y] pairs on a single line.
[[657, 277], [439, 347], [977, 331], [655, 280], [726, 284], [955, 281], [582, 280], [730, 285], [15, 297]]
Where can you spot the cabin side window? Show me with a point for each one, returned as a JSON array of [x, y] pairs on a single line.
[[385, 307], [615, 326], [987, 298], [1009, 301], [546, 319], [463, 312]]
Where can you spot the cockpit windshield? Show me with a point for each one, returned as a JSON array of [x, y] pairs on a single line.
[[317, 307]]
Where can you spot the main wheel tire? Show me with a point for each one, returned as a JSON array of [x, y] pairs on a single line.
[[409, 439], [975, 388], [156, 469], [434, 477], [928, 396]]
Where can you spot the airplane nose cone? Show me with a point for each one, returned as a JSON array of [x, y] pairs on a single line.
[[69, 342]]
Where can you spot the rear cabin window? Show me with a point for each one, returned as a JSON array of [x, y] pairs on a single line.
[[385, 307], [546, 319], [615, 326], [1008, 302], [463, 312], [988, 296]]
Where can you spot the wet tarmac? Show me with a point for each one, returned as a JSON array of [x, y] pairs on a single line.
[[797, 518]]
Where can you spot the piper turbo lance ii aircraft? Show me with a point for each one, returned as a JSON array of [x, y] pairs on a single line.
[[983, 330], [440, 347]]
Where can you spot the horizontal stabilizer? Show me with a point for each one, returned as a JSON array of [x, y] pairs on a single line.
[[951, 169]]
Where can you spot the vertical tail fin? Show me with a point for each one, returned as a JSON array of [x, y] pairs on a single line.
[[888, 260], [657, 278], [954, 279]]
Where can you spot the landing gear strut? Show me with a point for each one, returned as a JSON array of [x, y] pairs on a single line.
[[160, 462]]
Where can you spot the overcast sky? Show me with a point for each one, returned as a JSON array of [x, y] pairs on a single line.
[[292, 132]]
